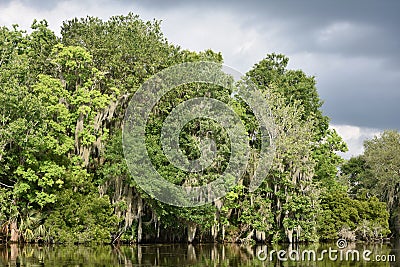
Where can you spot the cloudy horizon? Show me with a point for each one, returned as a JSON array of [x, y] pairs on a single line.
[[350, 47]]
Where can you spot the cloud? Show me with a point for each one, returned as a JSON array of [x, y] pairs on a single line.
[[353, 53], [357, 90], [55, 12], [223, 32], [354, 137], [33, 4]]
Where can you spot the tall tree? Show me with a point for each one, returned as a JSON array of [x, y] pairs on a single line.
[[296, 86], [382, 157], [63, 174], [375, 173]]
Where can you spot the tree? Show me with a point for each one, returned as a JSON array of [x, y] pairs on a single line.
[[376, 173], [355, 173], [63, 175], [382, 158], [295, 86], [23, 130], [346, 217], [42, 128], [306, 160]]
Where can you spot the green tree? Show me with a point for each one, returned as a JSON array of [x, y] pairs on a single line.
[[355, 174], [295, 86], [376, 172], [63, 176], [42, 128], [344, 217], [382, 157]]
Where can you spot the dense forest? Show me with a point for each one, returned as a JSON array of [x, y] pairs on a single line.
[[64, 178]]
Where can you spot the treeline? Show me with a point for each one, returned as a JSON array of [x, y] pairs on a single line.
[[63, 176]]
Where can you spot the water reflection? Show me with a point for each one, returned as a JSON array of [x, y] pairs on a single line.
[[184, 255]]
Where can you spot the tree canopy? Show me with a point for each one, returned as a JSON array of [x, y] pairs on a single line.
[[375, 173], [64, 178]]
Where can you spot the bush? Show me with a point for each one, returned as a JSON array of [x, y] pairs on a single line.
[[80, 218]]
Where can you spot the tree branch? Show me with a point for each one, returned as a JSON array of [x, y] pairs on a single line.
[[5, 185]]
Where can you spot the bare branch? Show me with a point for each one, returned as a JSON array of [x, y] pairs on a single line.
[[5, 185]]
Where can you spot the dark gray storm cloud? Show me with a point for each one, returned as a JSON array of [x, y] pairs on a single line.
[[352, 47], [367, 103], [356, 92], [379, 21]]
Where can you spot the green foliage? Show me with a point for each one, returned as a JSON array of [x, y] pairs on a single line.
[[71, 221], [63, 176], [382, 158], [366, 217], [354, 173], [376, 173]]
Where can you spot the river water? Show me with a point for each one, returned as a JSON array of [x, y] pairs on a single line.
[[202, 255]]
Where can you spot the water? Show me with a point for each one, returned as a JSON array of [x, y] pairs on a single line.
[[199, 255]]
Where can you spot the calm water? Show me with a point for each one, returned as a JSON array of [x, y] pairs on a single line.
[[198, 255]]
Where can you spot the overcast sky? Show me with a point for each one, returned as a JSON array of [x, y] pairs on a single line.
[[351, 47]]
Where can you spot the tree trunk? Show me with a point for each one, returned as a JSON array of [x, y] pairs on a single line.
[[191, 232], [139, 213], [14, 231], [289, 233], [140, 229]]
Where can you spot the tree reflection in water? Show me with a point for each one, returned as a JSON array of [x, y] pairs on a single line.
[[173, 255]]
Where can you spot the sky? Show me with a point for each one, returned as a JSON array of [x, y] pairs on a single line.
[[351, 47]]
